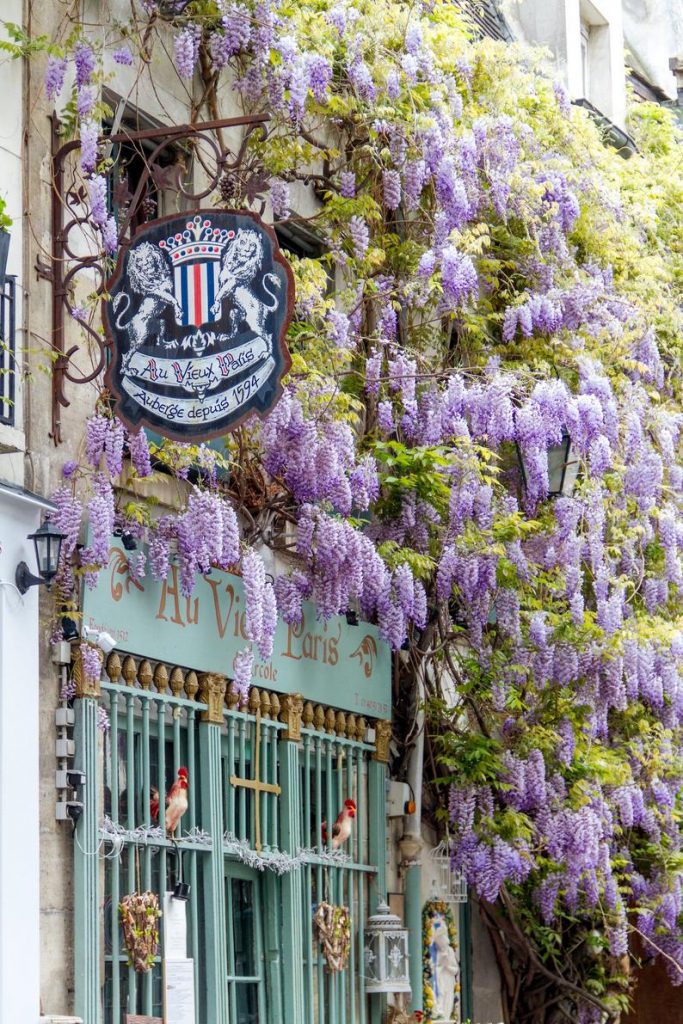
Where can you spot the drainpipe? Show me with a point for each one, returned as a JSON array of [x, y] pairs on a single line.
[[410, 847]]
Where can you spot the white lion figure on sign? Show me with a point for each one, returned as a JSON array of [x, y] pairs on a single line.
[[241, 263]]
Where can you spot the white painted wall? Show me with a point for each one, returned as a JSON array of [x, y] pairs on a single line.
[[19, 752], [653, 32], [11, 190], [557, 26]]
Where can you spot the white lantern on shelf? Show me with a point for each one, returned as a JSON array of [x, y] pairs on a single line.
[[386, 953], [450, 885]]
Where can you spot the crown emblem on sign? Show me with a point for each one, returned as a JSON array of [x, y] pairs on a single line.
[[198, 240]]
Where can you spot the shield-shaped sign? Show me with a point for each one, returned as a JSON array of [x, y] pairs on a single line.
[[197, 314]]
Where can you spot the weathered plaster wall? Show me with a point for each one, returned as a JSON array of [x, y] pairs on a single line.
[[653, 32]]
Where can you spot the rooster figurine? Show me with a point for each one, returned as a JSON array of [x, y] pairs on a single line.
[[176, 801], [341, 830]]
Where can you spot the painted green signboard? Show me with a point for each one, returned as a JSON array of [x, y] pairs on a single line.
[[332, 663]]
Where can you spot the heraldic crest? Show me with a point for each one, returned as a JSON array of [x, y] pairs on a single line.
[[197, 315]]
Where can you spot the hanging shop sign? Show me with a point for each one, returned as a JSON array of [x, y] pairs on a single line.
[[348, 667], [197, 314]]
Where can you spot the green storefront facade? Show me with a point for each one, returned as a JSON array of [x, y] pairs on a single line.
[[262, 781]]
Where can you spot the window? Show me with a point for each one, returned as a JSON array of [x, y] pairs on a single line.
[[148, 161], [8, 351], [153, 732]]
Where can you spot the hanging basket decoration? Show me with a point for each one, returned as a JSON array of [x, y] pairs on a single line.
[[140, 922], [333, 927]]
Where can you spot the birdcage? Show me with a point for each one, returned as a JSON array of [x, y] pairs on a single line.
[[448, 885]]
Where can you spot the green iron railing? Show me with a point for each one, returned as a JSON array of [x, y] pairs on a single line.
[[242, 915]]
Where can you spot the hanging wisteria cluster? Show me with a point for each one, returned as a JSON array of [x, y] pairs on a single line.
[[490, 309]]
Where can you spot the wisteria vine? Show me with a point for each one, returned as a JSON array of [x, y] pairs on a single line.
[[502, 286]]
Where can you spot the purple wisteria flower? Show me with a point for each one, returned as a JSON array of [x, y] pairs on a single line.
[[279, 198], [122, 55], [242, 669], [360, 236], [54, 76], [347, 184], [186, 50], [85, 62], [91, 663], [139, 453], [392, 189], [89, 132]]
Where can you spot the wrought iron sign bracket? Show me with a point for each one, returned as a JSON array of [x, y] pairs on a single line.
[[70, 220]]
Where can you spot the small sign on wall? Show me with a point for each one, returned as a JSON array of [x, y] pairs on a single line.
[[175, 928], [179, 1006], [197, 316]]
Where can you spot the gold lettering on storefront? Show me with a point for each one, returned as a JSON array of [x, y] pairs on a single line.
[[311, 646], [172, 590]]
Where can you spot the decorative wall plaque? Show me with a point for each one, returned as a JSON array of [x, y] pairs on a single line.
[[197, 315]]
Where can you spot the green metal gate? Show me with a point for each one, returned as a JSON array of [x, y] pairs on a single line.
[[253, 856]]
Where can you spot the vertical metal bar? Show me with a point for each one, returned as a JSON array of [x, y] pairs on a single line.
[[263, 768], [332, 811], [306, 839], [377, 852], [213, 875], [130, 799], [252, 765], [291, 887], [339, 872], [230, 790], [275, 800], [350, 973], [115, 862], [315, 842], [161, 786], [360, 915], [319, 869], [260, 959], [232, 993], [194, 820], [145, 819], [243, 826], [86, 870]]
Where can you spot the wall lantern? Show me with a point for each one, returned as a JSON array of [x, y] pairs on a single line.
[[450, 886], [563, 467], [181, 890], [386, 953], [47, 541]]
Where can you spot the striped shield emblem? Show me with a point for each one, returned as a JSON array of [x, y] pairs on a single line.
[[195, 286]]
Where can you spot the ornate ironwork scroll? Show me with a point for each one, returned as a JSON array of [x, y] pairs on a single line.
[[168, 157]]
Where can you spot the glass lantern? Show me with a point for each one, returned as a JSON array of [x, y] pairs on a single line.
[[386, 953], [563, 467], [450, 885]]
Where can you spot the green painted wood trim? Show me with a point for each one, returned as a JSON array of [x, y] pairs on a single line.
[[413, 922], [87, 981], [273, 947], [377, 831], [377, 844], [465, 929], [215, 966], [292, 892]]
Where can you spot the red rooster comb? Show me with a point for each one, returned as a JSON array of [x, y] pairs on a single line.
[[350, 806], [183, 773]]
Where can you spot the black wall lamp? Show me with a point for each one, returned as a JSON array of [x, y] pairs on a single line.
[[47, 541]]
